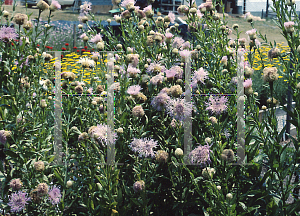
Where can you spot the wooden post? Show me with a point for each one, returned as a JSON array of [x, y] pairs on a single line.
[[262, 13], [289, 104], [74, 35]]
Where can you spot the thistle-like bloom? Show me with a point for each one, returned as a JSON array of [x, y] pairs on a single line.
[[134, 90], [54, 5], [199, 76], [155, 67], [157, 79], [42, 5], [270, 74], [179, 108], [127, 4], [248, 83], [227, 155], [289, 24], [252, 34], [97, 38], [139, 186], [18, 200], [16, 184], [132, 71], [100, 133], [86, 7], [160, 101], [177, 42], [144, 147], [171, 73], [148, 11], [179, 71], [7, 34], [201, 155], [184, 54], [2, 137], [217, 104], [20, 19], [54, 195], [171, 16], [83, 35], [86, 62]]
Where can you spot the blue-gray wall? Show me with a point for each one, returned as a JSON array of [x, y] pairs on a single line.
[[100, 2]]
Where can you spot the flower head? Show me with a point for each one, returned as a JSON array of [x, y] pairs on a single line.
[[86, 62], [171, 16], [179, 108], [270, 74], [289, 24], [54, 5], [7, 34], [200, 155], [42, 5], [16, 184], [101, 134], [156, 68], [18, 200], [227, 155], [177, 42], [144, 147], [97, 38], [134, 90], [160, 101], [217, 104], [199, 76], [248, 83], [184, 54], [139, 186], [127, 4], [86, 7], [54, 195], [3, 137]]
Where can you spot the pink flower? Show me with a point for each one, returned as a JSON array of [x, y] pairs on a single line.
[[247, 14], [134, 90], [83, 35], [199, 76], [97, 38], [217, 104], [160, 101], [177, 42], [86, 7], [132, 71], [201, 155], [251, 32], [171, 73], [185, 54], [148, 8], [56, 4], [248, 83], [171, 16], [127, 3], [289, 24], [257, 42], [169, 35], [157, 79]]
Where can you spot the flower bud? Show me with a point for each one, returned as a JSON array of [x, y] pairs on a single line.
[[178, 152], [229, 196], [80, 26], [69, 184]]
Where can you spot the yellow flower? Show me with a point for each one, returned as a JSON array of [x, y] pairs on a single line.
[[280, 76]]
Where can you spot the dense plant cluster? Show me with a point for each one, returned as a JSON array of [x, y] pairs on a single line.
[[145, 123]]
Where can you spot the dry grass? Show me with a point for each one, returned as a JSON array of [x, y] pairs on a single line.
[[66, 14], [266, 27]]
